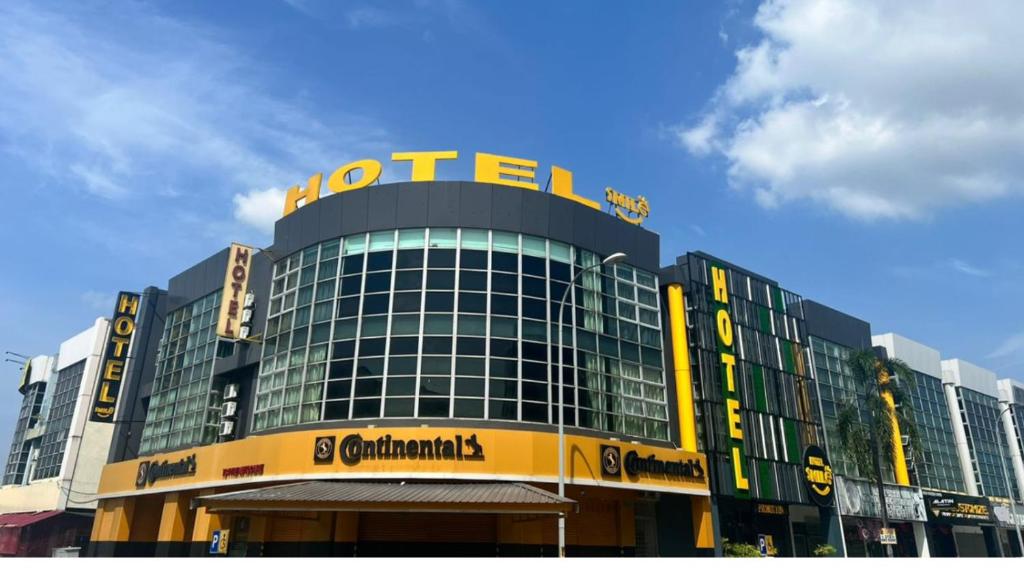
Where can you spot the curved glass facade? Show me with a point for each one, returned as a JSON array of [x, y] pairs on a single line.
[[459, 323]]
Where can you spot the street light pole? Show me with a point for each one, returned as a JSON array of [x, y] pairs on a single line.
[[613, 259], [1006, 478]]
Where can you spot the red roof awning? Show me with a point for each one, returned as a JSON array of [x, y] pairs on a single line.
[[22, 519]]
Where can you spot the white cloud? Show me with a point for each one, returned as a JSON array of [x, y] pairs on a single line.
[[136, 104], [1012, 346], [97, 300], [259, 208], [876, 109], [968, 269]]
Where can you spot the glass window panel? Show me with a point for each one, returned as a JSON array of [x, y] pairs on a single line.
[[560, 252], [354, 245], [474, 239], [437, 324], [412, 238], [472, 325], [442, 237], [505, 241], [382, 240]]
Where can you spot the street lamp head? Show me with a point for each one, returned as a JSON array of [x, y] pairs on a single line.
[[614, 258]]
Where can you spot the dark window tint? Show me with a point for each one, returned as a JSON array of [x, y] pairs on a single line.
[[376, 304], [352, 264], [409, 280], [339, 389], [402, 365], [471, 346], [378, 282], [401, 386], [405, 345], [437, 345], [505, 262], [535, 412], [399, 407], [469, 387], [336, 410], [440, 301], [378, 261], [533, 308], [504, 389], [534, 266], [410, 259], [435, 385], [370, 367], [504, 305], [469, 366], [473, 281], [505, 283], [504, 348], [474, 259], [344, 349], [351, 285], [366, 408], [504, 368], [433, 407], [535, 287], [348, 307], [500, 410], [341, 369], [467, 408], [561, 271], [367, 387], [472, 302], [407, 302], [535, 371], [372, 346], [441, 258]]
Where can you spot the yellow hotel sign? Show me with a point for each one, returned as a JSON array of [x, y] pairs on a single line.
[[417, 452], [490, 168]]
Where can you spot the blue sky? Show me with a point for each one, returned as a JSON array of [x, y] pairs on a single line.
[[866, 155]]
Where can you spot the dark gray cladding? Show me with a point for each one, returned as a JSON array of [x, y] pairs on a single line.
[[835, 326], [463, 205]]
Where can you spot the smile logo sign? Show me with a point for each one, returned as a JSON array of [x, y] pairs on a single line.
[[817, 473]]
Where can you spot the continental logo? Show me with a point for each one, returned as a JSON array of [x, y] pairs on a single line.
[[612, 464], [354, 449], [152, 470]]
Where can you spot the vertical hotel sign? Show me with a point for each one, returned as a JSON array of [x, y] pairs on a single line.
[[236, 282], [114, 359], [727, 356]]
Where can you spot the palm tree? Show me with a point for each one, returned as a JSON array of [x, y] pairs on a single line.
[[865, 425]]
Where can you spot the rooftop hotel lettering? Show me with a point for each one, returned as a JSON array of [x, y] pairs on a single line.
[[490, 168], [724, 329]]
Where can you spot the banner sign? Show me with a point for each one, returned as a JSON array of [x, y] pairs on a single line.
[[114, 359], [236, 282], [948, 508], [1004, 515], [860, 498]]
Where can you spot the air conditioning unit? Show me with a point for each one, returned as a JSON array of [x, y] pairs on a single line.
[[230, 391], [227, 428], [243, 332], [229, 409], [250, 298]]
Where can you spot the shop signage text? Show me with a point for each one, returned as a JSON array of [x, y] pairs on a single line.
[[490, 168], [724, 329], [236, 282], [771, 509], [950, 508], [243, 471], [632, 210], [651, 465], [115, 357], [152, 470], [354, 449], [860, 498], [818, 476]]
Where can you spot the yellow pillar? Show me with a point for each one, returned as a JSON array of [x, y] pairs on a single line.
[[703, 531], [206, 523], [117, 520], [899, 465], [173, 518], [681, 360]]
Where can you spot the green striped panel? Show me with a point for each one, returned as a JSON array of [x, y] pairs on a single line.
[[760, 393], [792, 442]]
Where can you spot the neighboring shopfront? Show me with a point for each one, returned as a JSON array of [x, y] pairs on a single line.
[[1007, 528], [759, 418], [960, 525], [862, 518], [389, 370]]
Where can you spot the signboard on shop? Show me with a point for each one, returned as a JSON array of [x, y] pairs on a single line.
[[860, 498], [950, 508]]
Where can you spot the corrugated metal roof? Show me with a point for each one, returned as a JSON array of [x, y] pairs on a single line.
[[484, 496], [20, 520]]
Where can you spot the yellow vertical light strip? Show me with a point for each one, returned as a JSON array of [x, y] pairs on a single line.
[[681, 360], [899, 466]]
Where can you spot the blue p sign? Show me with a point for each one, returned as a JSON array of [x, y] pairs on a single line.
[[215, 543], [762, 544]]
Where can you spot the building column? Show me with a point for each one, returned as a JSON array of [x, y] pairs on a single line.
[[963, 451], [171, 537], [921, 539], [703, 525], [1013, 445], [112, 525], [203, 527]]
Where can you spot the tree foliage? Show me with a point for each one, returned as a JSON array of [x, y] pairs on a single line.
[[867, 418]]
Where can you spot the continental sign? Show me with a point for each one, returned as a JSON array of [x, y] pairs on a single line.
[[727, 356], [114, 358], [150, 471], [635, 465], [490, 169], [420, 453], [236, 282]]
